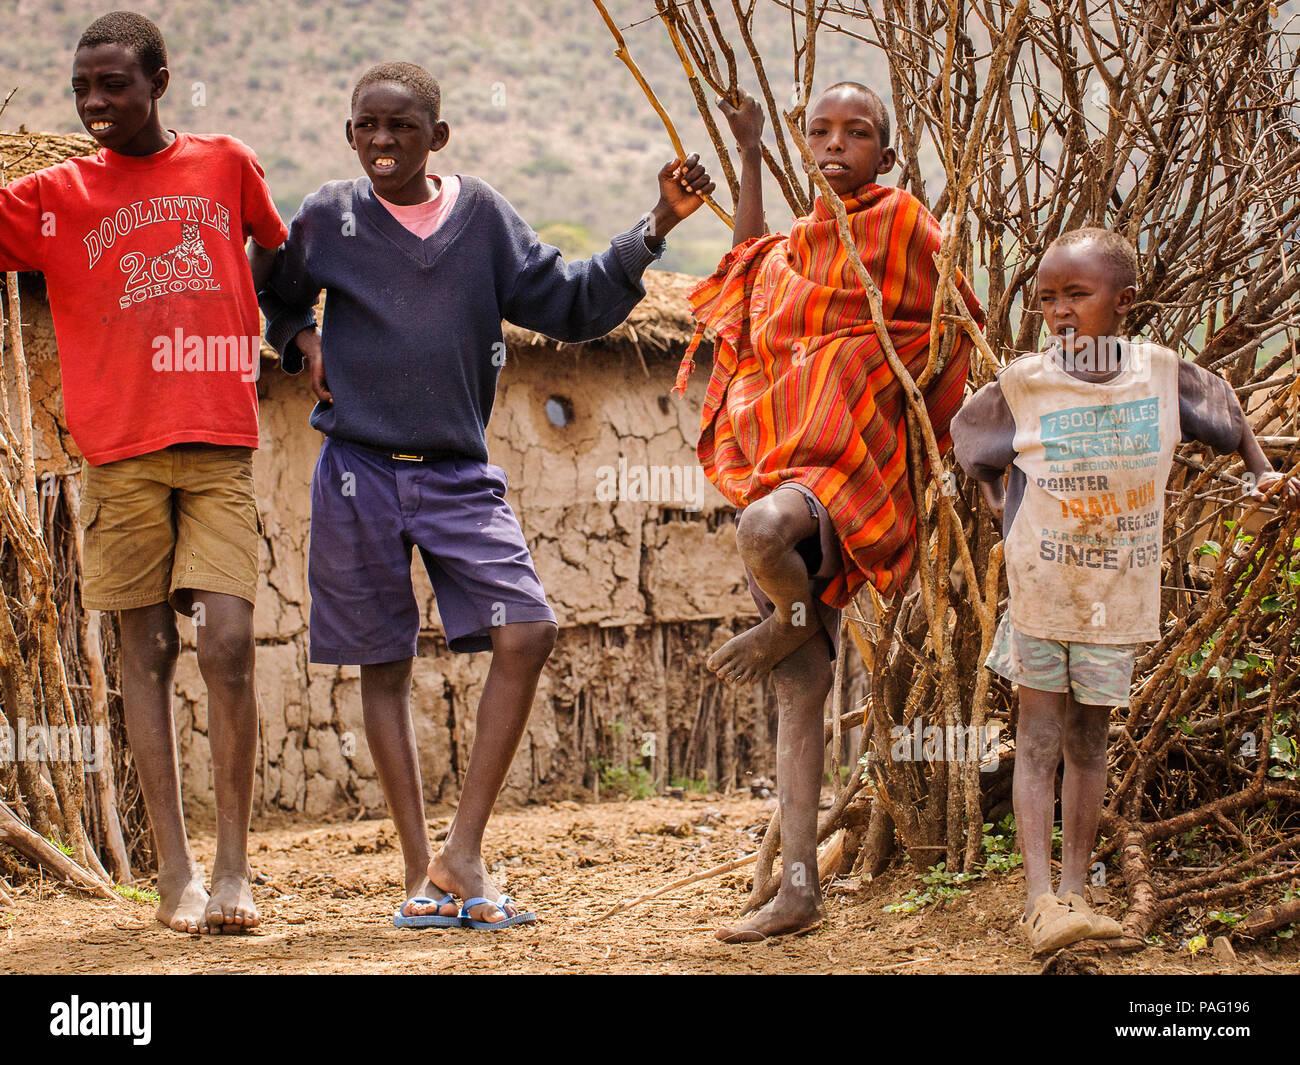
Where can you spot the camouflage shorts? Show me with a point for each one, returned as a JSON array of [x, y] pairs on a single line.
[[1099, 674]]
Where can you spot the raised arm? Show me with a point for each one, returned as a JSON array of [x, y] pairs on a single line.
[[746, 122], [581, 300]]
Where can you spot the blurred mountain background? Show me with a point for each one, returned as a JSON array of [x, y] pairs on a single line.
[[537, 102]]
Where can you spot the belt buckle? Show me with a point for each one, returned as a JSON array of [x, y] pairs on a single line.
[[406, 458]]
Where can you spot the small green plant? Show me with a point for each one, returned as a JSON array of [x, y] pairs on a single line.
[[135, 894], [1226, 917], [633, 781], [1289, 931], [699, 785], [941, 885], [1188, 841], [1001, 856], [63, 847]]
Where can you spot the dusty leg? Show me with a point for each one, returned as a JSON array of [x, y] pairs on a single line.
[[150, 646], [803, 680], [519, 652], [386, 706], [226, 653], [1033, 788], [766, 537], [1082, 789]]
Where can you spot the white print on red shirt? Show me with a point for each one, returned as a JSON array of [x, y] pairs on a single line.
[[187, 265]]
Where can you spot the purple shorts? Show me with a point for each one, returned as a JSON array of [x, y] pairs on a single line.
[[368, 510]]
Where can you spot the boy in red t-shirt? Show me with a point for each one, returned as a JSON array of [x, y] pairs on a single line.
[[142, 247]]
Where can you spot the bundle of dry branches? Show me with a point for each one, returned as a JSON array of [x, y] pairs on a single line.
[[59, 806], [1176, 126]]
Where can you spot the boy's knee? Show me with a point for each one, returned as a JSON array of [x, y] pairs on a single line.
[[808, 678], [529, 643], [226, 657], [1038, 748], [1085, 739], [763, 535], [820, 681], [154, 648], [387, 678]]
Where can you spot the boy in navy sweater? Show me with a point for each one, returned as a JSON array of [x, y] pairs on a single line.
[[420, 270]]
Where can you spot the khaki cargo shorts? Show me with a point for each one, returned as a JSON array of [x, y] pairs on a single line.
[[161, 524]]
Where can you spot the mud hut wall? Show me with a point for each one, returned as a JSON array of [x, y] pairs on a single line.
[[640, 588]]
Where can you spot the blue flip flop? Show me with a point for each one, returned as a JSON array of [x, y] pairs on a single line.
[[427, 920], [492, 926]]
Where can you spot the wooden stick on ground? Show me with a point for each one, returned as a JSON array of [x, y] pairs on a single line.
[[41, 851], [832, 852], [686, 881]]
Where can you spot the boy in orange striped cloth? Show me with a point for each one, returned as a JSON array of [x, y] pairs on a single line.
[[803, 429]]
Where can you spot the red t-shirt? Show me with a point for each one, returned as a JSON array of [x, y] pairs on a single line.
[[150, 289]]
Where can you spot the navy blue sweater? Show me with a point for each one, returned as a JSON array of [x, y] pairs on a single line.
[[412, 333]]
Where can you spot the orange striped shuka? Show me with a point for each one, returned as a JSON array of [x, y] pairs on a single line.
[[801, 390]]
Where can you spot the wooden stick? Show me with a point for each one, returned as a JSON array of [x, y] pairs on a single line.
[[623, 54], [686, 881], [837, 702], [833, 849], [1267, 918], [41, 851], [104, 782], [15, 346]]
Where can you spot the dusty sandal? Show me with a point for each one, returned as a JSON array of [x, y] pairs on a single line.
[[1099, 925], [1052, 925]]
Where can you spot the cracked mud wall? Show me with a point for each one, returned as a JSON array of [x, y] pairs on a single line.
[[642, 591]]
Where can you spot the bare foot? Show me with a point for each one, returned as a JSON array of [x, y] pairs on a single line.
[[781, 917], [428, 890], [182, 900], [468, 879], [231, 909], [751, 655]]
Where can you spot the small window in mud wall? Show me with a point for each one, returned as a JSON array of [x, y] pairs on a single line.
[[559, 411]]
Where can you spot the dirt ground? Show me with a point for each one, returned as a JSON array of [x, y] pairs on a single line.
[[327, 893]]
